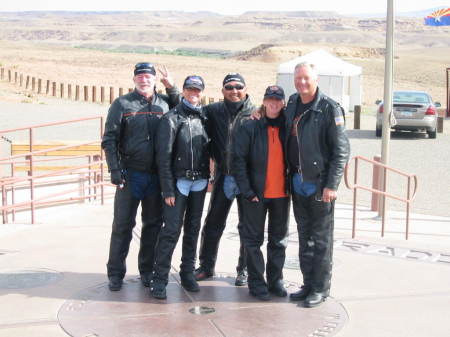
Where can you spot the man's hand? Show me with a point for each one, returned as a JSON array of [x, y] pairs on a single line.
[[170, 201], [329, 195], [116, 177], [255, 115], [166, 79]]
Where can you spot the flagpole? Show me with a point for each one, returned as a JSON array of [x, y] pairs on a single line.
[[387, 100]]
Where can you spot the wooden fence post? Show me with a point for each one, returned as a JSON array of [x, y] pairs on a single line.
[[94, 93], [102, 95], [33, 84], [86, 93], [111, 95], [61, 90], [357, 117], [9, 75], [54, 89], [2, 73], [69, 91], [77, 92], [15, 77], [27, 82], [47, 87], [39, 85], [21, 79], [440, 124]]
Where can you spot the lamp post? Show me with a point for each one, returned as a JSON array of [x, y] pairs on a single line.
[[387, 99]]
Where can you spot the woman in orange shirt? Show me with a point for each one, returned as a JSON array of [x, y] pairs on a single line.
[[259, 169]]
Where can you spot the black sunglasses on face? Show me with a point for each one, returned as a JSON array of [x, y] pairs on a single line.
[[231, 87]]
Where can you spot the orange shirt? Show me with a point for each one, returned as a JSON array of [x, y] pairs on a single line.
[[275, 177]]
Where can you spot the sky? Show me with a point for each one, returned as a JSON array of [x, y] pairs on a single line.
[[233, 7]]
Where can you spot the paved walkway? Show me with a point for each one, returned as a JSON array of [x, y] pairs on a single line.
[[53, 283]]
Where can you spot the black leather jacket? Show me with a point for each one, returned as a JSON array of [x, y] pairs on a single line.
[[130, 129], [323, 145], [182, 147], [219, 126], [250, 155]]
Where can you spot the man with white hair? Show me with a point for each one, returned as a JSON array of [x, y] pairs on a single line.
[[317, 150], [129, 145]]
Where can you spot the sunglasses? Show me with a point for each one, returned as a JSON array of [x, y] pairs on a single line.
[[231, 87]]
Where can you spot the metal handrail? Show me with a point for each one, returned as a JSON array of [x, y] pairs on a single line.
[[36, 126], [11, 182], [409, 198]]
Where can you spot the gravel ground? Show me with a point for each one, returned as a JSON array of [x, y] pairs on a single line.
[[409, 152], [412, 153]]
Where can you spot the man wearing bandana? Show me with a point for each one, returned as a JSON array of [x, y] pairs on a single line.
[[222, 120], [129, 145]]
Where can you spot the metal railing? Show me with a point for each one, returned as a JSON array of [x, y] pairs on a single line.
[[409, 196], [89, 176]]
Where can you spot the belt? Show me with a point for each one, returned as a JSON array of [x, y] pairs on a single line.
[[191, 174]]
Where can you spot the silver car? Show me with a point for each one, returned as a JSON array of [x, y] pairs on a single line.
[[413, 111]]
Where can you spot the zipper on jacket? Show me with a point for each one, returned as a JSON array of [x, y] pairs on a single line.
[[228, 149], [192, 150], [300, 170]]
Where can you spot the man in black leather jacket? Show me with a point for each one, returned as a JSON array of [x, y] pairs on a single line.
[[129, 145], [183, 166], [222, 117], [317, 150]]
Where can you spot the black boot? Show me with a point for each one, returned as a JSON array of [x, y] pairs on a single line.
[[314, 299], [202, 274], [115, 283], [300, 295], [241, 278], [158, 290], [189, 282], [278, 289]]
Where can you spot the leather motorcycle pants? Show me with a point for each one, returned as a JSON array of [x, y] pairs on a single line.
[[186, 213], [315, 225], [215, 222], [125, 209], [254, 218]]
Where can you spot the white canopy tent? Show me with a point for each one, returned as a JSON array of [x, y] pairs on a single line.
[[337, 78]]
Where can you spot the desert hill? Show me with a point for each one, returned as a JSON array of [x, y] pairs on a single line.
[[81, 45]]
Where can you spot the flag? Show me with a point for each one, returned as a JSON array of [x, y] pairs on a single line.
[[440, 17]]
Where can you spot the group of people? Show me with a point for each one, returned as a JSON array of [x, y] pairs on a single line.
[[158, 150]]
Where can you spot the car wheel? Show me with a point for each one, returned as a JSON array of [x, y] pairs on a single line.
[[432, 134], [378, 132]]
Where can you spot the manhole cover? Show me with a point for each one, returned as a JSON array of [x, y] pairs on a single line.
[[201, 310], [27, 278]]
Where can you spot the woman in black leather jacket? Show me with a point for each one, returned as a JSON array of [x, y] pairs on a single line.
[[183, 168], [259, 168]]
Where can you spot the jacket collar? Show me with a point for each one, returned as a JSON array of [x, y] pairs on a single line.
[[245, 106], [316, 100]]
